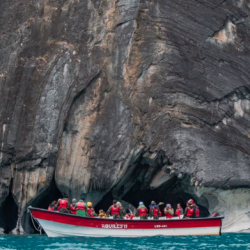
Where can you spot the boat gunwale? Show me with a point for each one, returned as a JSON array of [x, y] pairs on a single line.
[[134, 220]]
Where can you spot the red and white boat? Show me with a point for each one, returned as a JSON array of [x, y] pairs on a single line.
[[60, 225]]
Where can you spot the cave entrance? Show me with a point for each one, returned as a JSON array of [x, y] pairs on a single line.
[[8, 214], [173, 192], [41, 201]]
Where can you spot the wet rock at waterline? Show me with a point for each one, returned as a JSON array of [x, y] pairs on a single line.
[[134, 99]]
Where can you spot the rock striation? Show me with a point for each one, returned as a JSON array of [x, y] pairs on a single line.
[[131, 99]]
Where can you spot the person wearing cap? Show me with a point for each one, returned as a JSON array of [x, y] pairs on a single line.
[[81, 208], [190, 211], [91, 210], [142, 211], [168, 211], [73, 206]]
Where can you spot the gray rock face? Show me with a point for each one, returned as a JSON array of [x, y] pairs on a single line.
[[132, 99]]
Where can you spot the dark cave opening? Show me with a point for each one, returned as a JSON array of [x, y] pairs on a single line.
[[8, 214], [173, 192], [41, 201]]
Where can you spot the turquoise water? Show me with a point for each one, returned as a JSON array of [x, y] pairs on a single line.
[[36, 242]]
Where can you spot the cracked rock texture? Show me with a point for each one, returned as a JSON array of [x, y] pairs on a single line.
[[115, 97]]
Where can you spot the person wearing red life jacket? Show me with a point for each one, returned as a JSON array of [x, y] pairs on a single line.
[[63, 206], [197, 212], [129, 215], [52, 206], [179, 210], [81, 208], [73, 206], [91, 210], [142, 211], [156, 212], [114, 210], [190, 211], [168, 211]]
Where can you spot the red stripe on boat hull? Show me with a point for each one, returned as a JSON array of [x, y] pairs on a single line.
[[124, 224]]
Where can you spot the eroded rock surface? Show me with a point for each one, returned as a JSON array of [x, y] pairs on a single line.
[[124, 99]]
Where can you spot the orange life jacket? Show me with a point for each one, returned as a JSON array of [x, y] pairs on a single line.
[[115, 210], [80, 206], [143, 211]]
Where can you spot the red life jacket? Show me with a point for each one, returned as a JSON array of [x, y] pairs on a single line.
[[190, 212], [72, 209], [178, 212], [131, 216], [160, 213], [80, 206], [143, 211], [155, 212], [90, 212], [168, 215], [197, 212], [50, 208], [115, 210], [63, 204]]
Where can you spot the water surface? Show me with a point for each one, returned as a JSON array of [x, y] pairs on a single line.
[[38, 242]]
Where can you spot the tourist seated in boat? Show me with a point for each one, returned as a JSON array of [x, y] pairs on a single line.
[[114, 210], [179, 210], [102, 214], [64, 206], [122, 209], [190, 211], [155, 212], [142, 211], [73, 206], [53, 206], [129, 214], [91, 210], [169, 211], [81, 208]]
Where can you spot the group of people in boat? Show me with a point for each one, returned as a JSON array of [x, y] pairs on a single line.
[[117, 211]]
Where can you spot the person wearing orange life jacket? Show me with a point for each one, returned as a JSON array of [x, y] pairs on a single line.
[[179, 210], [81, 208], [114, 210], [142, 211], [73, 206], [168, 211], [190, 211], [63, 206]]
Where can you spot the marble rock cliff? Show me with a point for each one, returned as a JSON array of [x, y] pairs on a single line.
[[127, 99]]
